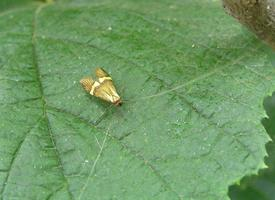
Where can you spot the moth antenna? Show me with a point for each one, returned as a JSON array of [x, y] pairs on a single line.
[[87, 83], [100, 73]]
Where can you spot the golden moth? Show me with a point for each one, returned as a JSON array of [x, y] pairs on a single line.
[[102, 88]]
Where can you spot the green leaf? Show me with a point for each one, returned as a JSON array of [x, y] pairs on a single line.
[[192, 80], [263, 185], [5, 4]]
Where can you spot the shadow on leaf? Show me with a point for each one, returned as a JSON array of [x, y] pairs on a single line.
[[261, 187]]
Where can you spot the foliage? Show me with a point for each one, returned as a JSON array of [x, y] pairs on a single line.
[[192, 80]]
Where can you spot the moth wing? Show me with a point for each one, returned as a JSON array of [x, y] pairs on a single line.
[[107, 91], [100, 73], [87, 83]]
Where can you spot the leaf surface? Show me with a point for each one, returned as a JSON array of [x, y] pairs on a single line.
[[192, 81]]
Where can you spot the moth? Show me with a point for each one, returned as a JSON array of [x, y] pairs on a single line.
[[103, 88]]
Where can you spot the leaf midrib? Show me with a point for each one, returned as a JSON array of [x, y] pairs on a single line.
[[45, 114]]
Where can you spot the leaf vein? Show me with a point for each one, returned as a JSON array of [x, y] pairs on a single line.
[[15, 154], [94, 166], [37, 71], [118, 141]]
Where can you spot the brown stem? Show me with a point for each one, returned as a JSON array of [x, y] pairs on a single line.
[[257, 15]]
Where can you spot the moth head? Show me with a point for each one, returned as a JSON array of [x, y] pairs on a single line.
[[118, 102], [87, 83]]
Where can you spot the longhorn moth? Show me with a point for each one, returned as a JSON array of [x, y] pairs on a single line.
[[103, 88]]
